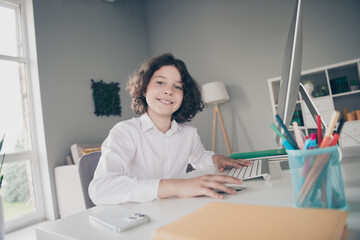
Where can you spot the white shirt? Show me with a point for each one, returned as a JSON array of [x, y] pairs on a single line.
[[136, 156]]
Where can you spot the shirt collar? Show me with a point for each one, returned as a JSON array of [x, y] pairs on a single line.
[[147, 123]]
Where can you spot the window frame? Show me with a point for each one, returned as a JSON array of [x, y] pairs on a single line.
[[38, 153]]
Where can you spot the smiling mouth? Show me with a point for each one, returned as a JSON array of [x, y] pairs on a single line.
[[165, 102]]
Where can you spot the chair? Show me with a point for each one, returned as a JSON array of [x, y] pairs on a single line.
[[87, 166]]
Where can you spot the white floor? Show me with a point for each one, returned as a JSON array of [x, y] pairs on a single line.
[[27, 233]]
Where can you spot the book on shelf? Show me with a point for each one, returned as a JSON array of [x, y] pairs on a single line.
[[339, 85]]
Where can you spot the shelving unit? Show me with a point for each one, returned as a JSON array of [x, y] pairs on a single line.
[[332, 91]]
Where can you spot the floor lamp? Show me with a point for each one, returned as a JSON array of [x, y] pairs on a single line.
[[215, 93]]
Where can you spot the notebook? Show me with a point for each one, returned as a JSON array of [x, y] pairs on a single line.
[[221, 220], [271, 153]]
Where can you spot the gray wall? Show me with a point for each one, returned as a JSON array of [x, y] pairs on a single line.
[[242, 43], [79, 40]]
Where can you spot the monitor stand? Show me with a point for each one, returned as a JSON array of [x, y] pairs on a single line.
[[284, 165], [313, 111], [310, 104]]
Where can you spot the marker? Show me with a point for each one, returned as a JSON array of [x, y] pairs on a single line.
[[334, 140], [287, 145], [341, 124], [336, 135], [310, 142], [288, 135], [278, 131]]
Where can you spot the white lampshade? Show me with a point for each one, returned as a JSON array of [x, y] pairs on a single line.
[[215, 92]]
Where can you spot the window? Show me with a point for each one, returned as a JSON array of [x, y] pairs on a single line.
[[21, 190]]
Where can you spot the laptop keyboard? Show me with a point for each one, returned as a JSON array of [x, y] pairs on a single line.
[[259, 168]]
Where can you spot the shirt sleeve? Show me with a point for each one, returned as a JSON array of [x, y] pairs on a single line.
[[111, 185], [200, 157]]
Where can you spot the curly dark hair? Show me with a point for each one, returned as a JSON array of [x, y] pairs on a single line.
[[192, 102]]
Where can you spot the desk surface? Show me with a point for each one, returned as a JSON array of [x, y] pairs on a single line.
[[276, 192]]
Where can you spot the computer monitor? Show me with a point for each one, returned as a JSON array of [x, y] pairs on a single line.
[[290, 84], [291, 70]]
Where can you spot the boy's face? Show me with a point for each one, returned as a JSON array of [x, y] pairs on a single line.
[[164, 93]]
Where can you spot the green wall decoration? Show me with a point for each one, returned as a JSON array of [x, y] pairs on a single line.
[[106, 98]]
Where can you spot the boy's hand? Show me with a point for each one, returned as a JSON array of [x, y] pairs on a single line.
[[221, 162], [199, 186]]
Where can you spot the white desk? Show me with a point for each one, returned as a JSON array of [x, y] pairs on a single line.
[[276, 192]]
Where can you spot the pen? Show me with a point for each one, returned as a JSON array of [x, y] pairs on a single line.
[[299, 135], [334, 117], [319, 129], [288, 135]]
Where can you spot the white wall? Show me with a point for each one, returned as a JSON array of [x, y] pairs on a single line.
[[79, 40], [242, 43]]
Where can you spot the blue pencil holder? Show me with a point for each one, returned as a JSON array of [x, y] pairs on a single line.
[[316, 178]]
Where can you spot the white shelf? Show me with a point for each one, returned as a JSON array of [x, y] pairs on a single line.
[[345, 93], [335, 77]]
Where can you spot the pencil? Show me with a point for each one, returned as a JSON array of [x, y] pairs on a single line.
[[334, 117], [319, 129], [325, 143], [299, 136]]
